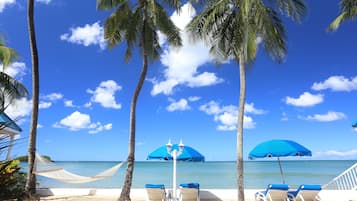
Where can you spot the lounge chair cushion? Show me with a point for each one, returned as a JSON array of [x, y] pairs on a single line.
[[162, 186], [305, 192], [155, 192], [273, 192], [190, 185]]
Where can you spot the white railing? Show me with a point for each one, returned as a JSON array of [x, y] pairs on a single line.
[[347, 180]]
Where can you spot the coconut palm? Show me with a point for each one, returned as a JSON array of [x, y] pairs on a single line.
[[348, 11], [234, 29], [137, 23], [10, 88], [30, 187]]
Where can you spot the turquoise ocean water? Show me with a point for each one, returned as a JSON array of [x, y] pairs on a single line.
[[218, 175]]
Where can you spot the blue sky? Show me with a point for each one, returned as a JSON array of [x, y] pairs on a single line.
[[86, 88]]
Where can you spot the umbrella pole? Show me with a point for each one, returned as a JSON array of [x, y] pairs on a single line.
[[174, 156], [281, 171]]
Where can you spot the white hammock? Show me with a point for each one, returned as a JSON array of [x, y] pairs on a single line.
[[49, 169]]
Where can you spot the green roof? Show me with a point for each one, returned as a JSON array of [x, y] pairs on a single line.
[[5, 121]]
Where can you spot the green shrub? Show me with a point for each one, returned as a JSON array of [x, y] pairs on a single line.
[[12, 180]]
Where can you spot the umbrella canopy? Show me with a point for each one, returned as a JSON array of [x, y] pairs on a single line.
[[279, 148], [354, 125], [188, 154]]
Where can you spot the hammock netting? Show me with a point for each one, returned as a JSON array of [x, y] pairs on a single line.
[[49, 169]]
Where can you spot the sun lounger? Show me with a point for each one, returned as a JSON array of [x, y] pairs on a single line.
[[155, 192], [189, 192], [305, 192], [273, 192]]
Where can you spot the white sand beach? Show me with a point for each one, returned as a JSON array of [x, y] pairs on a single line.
[[87, 194]]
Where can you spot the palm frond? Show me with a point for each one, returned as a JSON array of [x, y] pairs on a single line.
[[138, 22], [10, 89], [7, 55], [271, 29], [108, 4], [208, 22], [116, 24], [350, 8], [348, 11], [176, 4], [131, 35], [164, 24], [296, 9], [148, 35], [337, 22]]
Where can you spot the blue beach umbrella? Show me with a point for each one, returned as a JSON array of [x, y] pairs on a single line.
[[354, 125], [279, 148], [176, 152], [188, 154]]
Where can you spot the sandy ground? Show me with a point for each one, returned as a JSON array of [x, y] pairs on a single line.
[[135, 195], [80, 198], [205, 195]]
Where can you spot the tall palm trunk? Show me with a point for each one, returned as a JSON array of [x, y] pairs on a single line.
[[125, 193], [240, 171], [30, 187]]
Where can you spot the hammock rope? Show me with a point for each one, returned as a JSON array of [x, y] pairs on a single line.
[[49, 169]]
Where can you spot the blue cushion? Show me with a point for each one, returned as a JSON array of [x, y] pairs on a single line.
[[308, 187], [284, 187], [162, 186], [278, 186], [190, 185]]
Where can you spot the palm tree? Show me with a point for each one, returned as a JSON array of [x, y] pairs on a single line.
[[30, 187], [234, 29], [137, 24], [348, 11], [10, 88]]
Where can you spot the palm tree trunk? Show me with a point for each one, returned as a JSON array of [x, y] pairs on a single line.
[[30, 187], [125, 192], [240, 170]]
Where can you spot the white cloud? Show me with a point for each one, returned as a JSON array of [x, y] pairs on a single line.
[[100, 127], [15, 69], [75, 121], [86, 35], [19, 108], [211, 108], [284, 117], [44, 105], [249, 108], [44, 1], [228, 121], [227, 116], [52, 96], [334, 154], [78, 121], [181, 105], [194, 98], [182, 64], [104, 94], [305, 100], [329, 116], [4, 3], [68, 103], [88, 105], [337, 83]]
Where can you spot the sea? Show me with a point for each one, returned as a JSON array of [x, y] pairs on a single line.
[[210, 175]]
